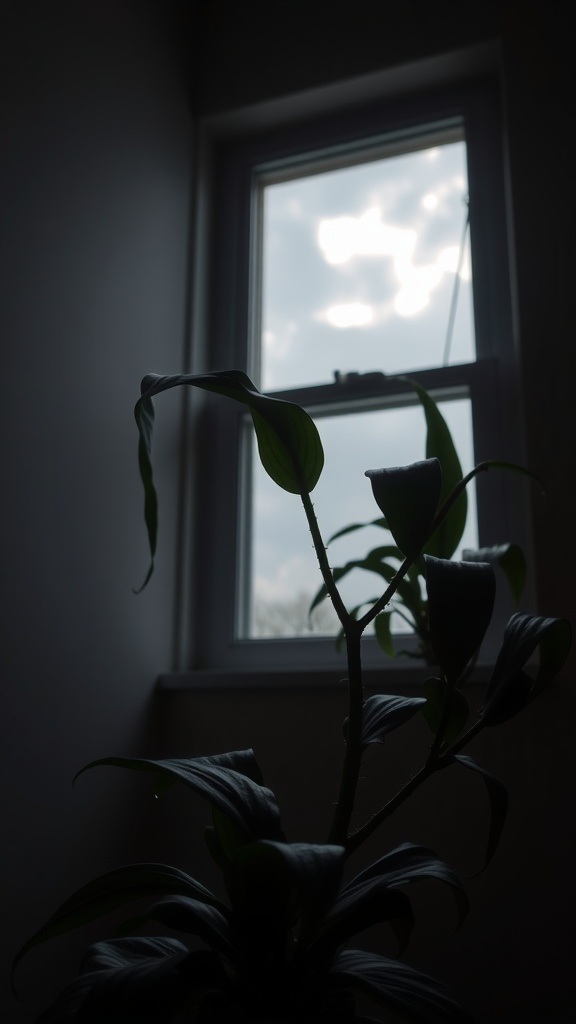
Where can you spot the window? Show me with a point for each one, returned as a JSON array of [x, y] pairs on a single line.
[[324, 301], [362, 265]]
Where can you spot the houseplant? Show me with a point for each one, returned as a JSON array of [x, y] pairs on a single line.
[[276, 950]]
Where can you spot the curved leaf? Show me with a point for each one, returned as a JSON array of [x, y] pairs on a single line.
[[509, 557], [510, 688], [288, 441], [115, 889], [439, 445], [460, 603], [358, 526], [183, 914], [498, 797], [408, 863], [267, 878], [383, 713], [135, 979], [251, 807], [408, 993], [408, 496], [358, 909]]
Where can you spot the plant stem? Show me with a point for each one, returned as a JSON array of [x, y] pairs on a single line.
[[320, 549], [353, 634], [353, 753], [433, 764]]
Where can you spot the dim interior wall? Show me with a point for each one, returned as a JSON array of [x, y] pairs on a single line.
[[95, 181], [96, 170]]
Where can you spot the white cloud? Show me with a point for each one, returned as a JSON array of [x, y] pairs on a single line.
[[351, 314]]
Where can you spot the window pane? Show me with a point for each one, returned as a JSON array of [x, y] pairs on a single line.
[[359, 266], [284, 573]]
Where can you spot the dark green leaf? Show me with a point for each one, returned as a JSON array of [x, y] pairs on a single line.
[[133, 951], [498, 798], [381, 522], [288, 441], [360, 908], [251, 807], [180, 913], [439, 445], [408, 496], [510, 688], [408, 863], [115, 889], [460, 603], [509, 557], [267, 878], [394, 986], [383, 713], [135, 979], [445, 706]]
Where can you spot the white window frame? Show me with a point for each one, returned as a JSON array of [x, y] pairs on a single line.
[[229, 147]]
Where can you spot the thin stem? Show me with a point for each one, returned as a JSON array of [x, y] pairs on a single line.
[[320, 549], [353, 635], [387, 595], [359, 837], [353, 753], [433, 764]]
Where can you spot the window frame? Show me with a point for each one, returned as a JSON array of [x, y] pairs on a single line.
[[229, 148]]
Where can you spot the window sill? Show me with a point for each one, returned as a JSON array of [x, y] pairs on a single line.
[[401, 673]]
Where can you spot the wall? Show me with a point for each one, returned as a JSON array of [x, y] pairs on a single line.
[[95, 218]]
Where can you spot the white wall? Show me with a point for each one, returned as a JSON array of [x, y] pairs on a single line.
[[95, 202]]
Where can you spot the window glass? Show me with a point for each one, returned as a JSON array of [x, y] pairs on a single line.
[[362, 267], [358, 269]]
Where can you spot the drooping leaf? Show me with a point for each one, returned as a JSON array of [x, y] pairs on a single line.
[[394, 986], [288, 441], [360, 908], [251, 807], [511, 688], [383, 713], [509, 557], [267, 878], [447, 706], [498, 798], [408, 496], [411, 862], [439, 445], [115, 889], [134, 979], [180, 913], [460, 603]]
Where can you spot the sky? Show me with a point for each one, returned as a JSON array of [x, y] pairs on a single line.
[[358, 275]]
